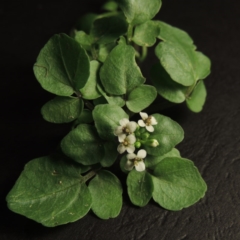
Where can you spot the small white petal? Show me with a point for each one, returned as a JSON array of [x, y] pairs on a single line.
[[131, 156], [143, 115], [131, 139], [118, 131], [121, 137], [123, 122], [141, 123], [121, 148], [140, 166], [150, 128], [129, 165], [132, 126], [130, 148], [141, 154], [153, 120]]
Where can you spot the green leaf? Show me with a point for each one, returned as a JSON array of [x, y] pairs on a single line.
[[152, 161], [83, 145], [145, 34], [168, 133], [172, 34], [197, 99], [123, 163], [177, 184], [62, 66], [106, 191], [90, 91], [85, 117], [141, 97], [165, 86], [140, 187], [176, 62], [106, 119], [85, 22], [139, 11], [108, 29], [104, 50], [111, 154], [120, 73], [62, 109], [83, 39], [50, 191], [112, 99], [110, 6], [202, 65]]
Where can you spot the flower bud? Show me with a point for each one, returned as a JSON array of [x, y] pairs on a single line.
[[145, 135], [137, 144], [151, 143]]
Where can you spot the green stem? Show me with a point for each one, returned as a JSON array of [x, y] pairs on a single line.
[[190, 90], [129, 33], [90, 174], [94, 52], [144, 54]]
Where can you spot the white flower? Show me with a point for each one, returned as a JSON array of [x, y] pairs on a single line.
[[147, 121], [136, 160], [125, 128], [127, 144]]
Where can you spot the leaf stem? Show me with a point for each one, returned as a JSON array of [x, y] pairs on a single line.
[[129, 33], [90, 174], [144, 54]]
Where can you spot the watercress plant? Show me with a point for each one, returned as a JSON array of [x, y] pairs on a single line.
[[98, 85]]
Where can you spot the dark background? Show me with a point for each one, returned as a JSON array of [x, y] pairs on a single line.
[[212, 138]]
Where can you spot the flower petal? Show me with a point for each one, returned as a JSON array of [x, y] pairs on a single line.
[[123, 122], [121, 137], [153, 120], [141, 123], [140, 166], [131, 156], [118, 131], [141, 154], [131, 139], [130, 148], [150, 128], [143, 115], [121, 148], [129, 165], [132, 126]]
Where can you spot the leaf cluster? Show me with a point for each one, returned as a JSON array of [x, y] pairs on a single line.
[[95, 76]]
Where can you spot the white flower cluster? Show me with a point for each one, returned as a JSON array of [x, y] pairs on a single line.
[[126, 134]]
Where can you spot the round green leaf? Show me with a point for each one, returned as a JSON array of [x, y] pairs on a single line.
[[90, 91], [177, 183], [84, 39], [104, 50], [141, 97], [62, 66], [50, 191], [167, 132], [108, 29], [152, 161], [145, 34], [110, 6], [85, 22], [165, 86], [140, 187], [62, 109], [106, 191], [198, 97], [110, 155], [139, 11], [176, 62], [106, 119], [120, 73], [83, 145], [202, 65]]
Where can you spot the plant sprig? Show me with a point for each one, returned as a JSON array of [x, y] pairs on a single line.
[[99, 86]]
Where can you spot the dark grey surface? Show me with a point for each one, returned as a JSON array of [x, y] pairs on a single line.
[[212, 138]]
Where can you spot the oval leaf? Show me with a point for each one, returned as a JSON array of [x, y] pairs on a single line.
[[140, 187], [62, 66], [168, 133], [50, 191], [83, 145], [177, 184], [165, 86], [141, 97], [110, 155], [62, 109], [106, 191], [120, 72], [139, 11], [106, 119]]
